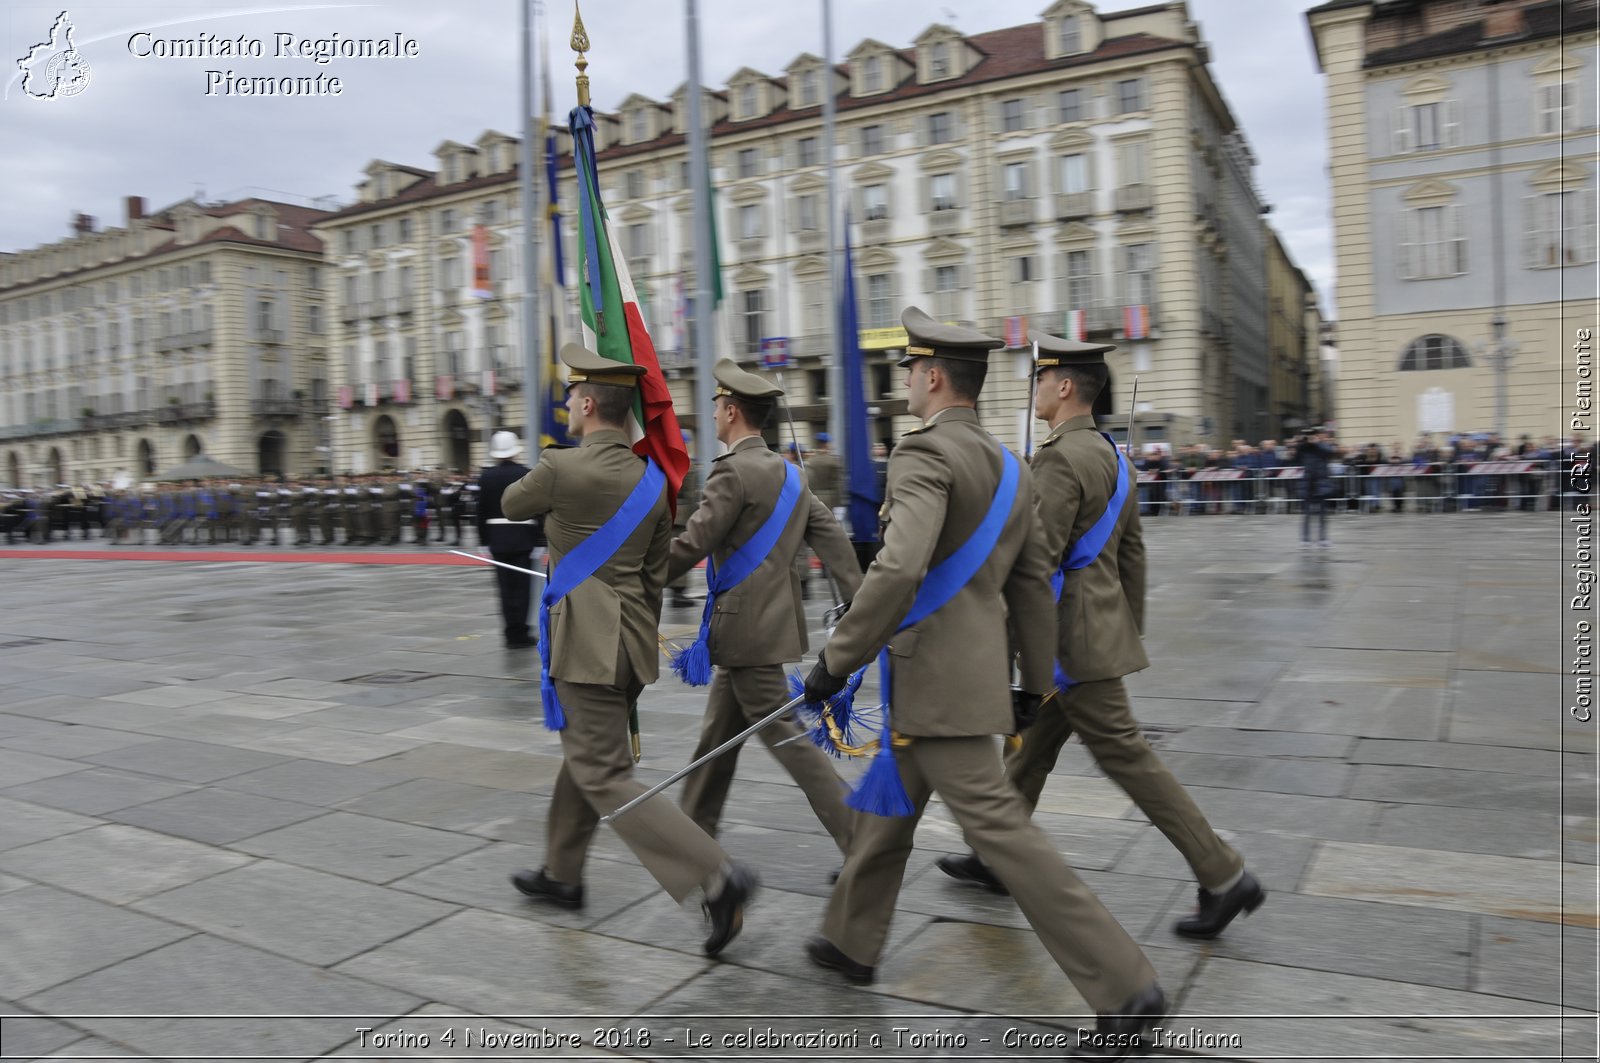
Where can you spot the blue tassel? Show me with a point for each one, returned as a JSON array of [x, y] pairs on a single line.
[[880, 792], [554, 718], [693, 664]]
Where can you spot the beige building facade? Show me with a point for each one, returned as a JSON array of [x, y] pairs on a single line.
[[1294, 329], [1463, 146], [195, 329]]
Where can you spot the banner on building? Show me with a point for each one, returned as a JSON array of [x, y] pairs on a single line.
[[1136, 322], [444, 387], [372, 393], [1075, 328], [402, 392], [347, 397], [1016, 331], [775, 352], [488, 383], [481, 281]]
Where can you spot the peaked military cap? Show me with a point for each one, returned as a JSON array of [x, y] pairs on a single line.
[[731, 380], [930, 338], [1054, 351], [586, 367]]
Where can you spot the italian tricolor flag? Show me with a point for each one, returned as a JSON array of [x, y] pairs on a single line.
[[613, 326]]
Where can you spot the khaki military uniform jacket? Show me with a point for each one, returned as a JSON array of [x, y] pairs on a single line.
[[823, 470], [952, 672], [763, 619], [619, 607], [1101, 615]]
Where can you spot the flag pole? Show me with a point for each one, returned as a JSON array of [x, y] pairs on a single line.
[[705, 439], [533, 393], [836, 370]]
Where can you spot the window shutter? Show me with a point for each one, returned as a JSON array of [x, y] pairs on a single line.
[[1533, 235], [920, 127], [1407, 237], [961, 188], [1402, 130], [1451, 134], [955, 125], [1458, 241], [1030, 180], [929, 284], [925, 192]]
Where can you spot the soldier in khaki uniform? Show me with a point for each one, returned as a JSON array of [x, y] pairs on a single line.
[[1101, 622], [760, 623], [951, 693], [688, 502], [602, 651]]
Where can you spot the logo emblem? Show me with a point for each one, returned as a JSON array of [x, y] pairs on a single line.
[[54, 68]]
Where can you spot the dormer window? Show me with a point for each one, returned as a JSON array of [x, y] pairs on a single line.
[[808, 88], [872, 74], [939, 62], [747, 100], [1070, 35], [638, 127]]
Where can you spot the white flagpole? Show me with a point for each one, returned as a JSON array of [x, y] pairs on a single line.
[[705, 438], [533, 391]]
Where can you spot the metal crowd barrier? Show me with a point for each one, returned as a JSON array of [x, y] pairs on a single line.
[[1433, 488]]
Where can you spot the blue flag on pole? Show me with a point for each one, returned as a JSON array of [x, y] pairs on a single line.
[[860, 474], [554, 423]]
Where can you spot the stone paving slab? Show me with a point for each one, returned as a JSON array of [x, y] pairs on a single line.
[[67, 741], [311, 782], [53, 936], [207, 976], [198, 762], [145, 863], [294, 912], [22, 823], [19, 767], [439, 803], [214, 815], [372, 850]]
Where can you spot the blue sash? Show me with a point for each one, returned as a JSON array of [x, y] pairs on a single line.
[[1082, 553], [881, 791], [693, 664], [583, 561]]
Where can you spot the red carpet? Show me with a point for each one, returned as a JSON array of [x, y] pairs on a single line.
[[314, 557]]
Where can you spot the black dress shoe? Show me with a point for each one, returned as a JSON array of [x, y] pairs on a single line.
[[971, 870], [521, 644], [825, 953], [1116, 1036], [726, 909], [1217, 910], [538, 884]]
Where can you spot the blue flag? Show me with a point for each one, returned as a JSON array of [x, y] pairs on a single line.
[[860, 474], [554, 422]]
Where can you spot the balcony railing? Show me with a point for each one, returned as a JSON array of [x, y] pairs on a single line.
[[186, 411], [398, 304], [1014, 212], [752, 248], [1133, 197], [1074, 204], [875, 231], [945, 222], [271, 335], [813, 240], [276, 407]]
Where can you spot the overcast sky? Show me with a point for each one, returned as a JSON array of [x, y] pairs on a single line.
[[146, 126]]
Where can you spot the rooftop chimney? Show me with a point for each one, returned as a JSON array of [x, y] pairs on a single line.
[[82, 223], [133, 207], [1503, 21]]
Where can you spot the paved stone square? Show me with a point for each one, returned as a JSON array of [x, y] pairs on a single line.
[[287, 796]]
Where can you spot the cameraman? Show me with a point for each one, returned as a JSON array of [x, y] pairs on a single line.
[[1313, 451]]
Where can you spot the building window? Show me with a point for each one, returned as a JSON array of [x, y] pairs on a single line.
[[808, 88], [750, 221], [683, 174], [809, 214], [813, 307], [809, 152], [872, 140], [638, 126], [947, 293], [1074, 174], [1024, 269], [939, 61], [1139, 274], [314, 318], [1069, 105], [313, 278], [1560, 229], [1011, 116], [749, 162], [1069, 36], [447, 221], [1431, 244], [490, 212], [1016, 181], [404, 225], [755, 318], [942, 191], [747, 100], [1130, 95], [880, 301], [1555, 107], [377, 234], [1131, 162], [263, 316], [637, 240], [872, 74], [1434, 352], [450, 273], [1080, 280], [875, 202], [635, 184], [940, 128]]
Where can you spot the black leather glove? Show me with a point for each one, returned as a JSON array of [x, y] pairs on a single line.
[[822, 684], [1024, 709]]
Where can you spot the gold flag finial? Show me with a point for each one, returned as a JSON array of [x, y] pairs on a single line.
[[580, 44]]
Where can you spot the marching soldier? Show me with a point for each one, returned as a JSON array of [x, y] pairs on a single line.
[[961, 557], [389, 509], [1089, 516], [609, 531], [266, 503], [508, 541], [328, 504], [350, 514], [755, 513], [373, 516], [302, 504]]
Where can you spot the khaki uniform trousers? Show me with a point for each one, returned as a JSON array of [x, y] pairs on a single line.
[[1086, 941], [1102, 716], [596, 778], [739, 697]]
